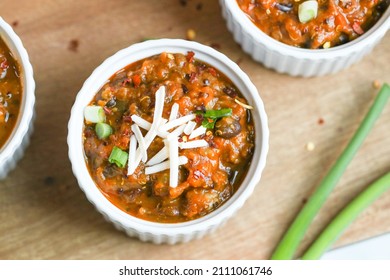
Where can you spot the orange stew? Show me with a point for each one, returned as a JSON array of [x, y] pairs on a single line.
[[337, 21], [212, 174], [10, 92]]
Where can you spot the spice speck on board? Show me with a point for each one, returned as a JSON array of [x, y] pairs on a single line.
[[191, 34], [73, 45], [321, 121], [376, 84]]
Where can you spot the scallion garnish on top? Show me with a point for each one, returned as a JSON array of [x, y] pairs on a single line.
[[118, 157], [103, 130], [307, 11], [94, 114]]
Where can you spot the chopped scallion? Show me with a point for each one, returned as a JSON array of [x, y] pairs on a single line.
[[94, 114], [118, 157], [307, 11], [103, 130]]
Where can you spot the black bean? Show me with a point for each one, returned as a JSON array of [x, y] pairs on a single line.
[[227, 127], [111, 171], [343, 38], [184, 88], [284, 7], [248, 116], [230, 91], [111, 103]]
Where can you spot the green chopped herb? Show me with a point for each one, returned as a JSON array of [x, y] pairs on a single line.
[[118, 157], [103, 130], [208, 123], [211, 116], [216, 114]]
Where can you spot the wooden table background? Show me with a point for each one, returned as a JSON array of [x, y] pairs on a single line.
[[44, 214]]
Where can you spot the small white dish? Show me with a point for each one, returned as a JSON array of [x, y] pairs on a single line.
[[14, 148], [152, 231], [298, 61]]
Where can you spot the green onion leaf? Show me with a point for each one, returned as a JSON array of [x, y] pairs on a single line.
[[211, 116], [290, 241], [103, 130], [118, 157], [94, 114], [307, 11], [346, 216]]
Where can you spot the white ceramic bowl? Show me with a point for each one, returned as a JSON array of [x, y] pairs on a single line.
[[298, 61], [14, 148], [152, 231]]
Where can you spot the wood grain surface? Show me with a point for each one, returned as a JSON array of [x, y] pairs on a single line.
[[44, 214]]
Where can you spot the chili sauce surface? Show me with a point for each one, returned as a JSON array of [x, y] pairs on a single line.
[[10, 92], [212, 173], [337, 21]]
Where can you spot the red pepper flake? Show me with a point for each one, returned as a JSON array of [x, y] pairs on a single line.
[[212, 71], [126, 132], [15, 23], [136, 80], [199, 118], [127, 119], [192, 77], [107, 111], [321, 121], [190, 56], [125, 82], [4, 64], [73, 45], [180, 139], [357, 28]]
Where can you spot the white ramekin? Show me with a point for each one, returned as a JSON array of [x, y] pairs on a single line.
[[298, 61], [14, 148], [151, 231]]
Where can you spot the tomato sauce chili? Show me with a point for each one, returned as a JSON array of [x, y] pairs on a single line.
[[212, 173], [10, 92], [337, 21]]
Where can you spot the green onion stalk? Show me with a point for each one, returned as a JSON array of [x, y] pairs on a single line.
[[290, 241], [345, 217]]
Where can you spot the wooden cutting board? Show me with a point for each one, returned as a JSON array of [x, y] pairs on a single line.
[[44, 214]]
